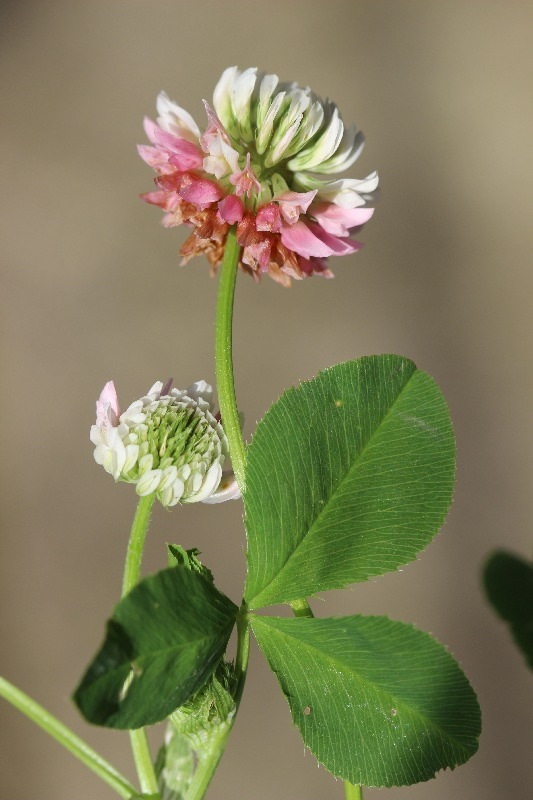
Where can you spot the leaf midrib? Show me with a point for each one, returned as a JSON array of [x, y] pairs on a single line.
[[368, 682], [325, 507]]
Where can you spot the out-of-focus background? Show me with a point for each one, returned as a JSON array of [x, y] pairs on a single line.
[[92, 290]]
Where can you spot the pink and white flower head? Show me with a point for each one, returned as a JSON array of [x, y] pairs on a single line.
[[266, 162], [168, 443]]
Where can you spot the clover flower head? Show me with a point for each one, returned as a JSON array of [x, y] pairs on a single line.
[[168, 443], [265, 162]]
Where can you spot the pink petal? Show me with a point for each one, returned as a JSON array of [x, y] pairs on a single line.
[[292, 204], [155, 198], [201, 192], [337, 220], [167, 387], [257, 255], [184, 155], [231, 209], [315, 266], [214, 127], [268, 218], [338, 246], [302, 240], [155, 157], [150, 128], [245, 181]]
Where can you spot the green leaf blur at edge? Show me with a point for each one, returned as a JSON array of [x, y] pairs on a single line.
[[509, 586], [163, 642], [356, 496], [378, 702]]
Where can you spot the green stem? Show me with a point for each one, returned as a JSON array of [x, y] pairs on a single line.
[[301, 608], [353, 792], [132, 573], [232, 427], [224, 357], [67, 738], [134, 555], [216, 746]]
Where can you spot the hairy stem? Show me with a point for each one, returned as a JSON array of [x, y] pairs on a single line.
[[132, 573], [224, 357], [301, 608], [211, 758], [67, 738], [232, 427]]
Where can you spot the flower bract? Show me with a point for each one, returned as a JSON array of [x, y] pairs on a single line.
[[268, 162], [169, 443]]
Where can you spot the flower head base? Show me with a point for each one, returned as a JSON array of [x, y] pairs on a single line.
[[262, 163], [167, 443]]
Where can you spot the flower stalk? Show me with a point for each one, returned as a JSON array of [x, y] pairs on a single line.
[[67, 738], [232, 427], [224, 358], [132, 572]]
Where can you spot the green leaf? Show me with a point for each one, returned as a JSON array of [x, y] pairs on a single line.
[[188, 559], [378, 702], [163, 642], [349, 476], [509, 585], [208, 709]]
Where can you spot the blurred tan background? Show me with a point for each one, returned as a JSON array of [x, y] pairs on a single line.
[[92, 291]]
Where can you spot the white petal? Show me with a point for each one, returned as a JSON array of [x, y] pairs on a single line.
[[300, 102], [155, 390], [312, 121], [347, 153], [116, 445], [100, 453], [169, 475], [241, 93], [148, 483], [146, 463], [178, 488], [109, 463], [323, 148], [194, 483], [210, 483], [184, 472], [95, 434], [222, 95], [266, 90], [265, 132], [228, 489], [200, 389], [166, 496], [174, 119], [132, 454], [215, 166], [279, 150], [345, 192]]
